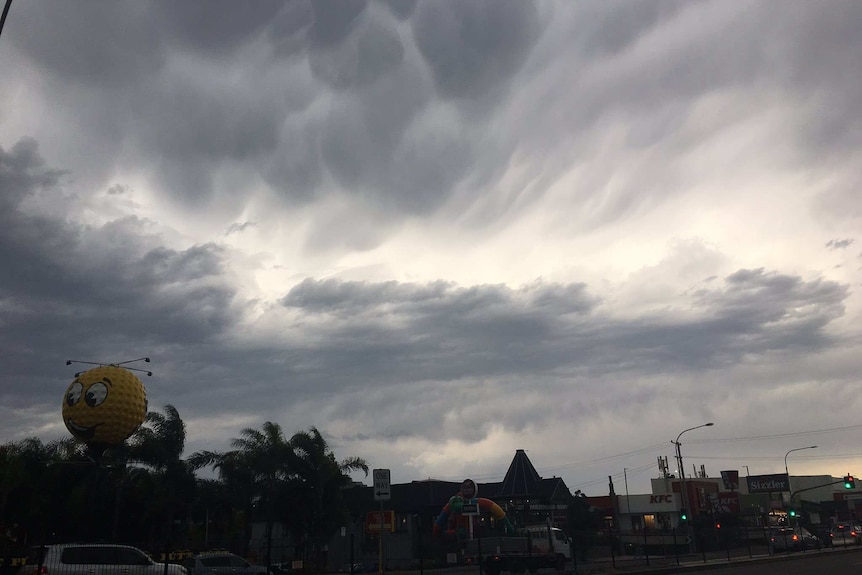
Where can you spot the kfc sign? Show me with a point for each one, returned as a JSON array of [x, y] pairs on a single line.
[[662, 499], [724, 503]]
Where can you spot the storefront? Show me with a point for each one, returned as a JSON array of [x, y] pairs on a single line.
[[651, 513]]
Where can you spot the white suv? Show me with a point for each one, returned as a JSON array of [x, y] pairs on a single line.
[[97, 559]]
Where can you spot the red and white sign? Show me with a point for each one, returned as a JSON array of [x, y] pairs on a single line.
[[377, 521], [726, 502]]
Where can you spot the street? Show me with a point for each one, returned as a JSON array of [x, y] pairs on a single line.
[[794, 564]]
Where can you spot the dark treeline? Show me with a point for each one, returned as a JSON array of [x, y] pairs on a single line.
[[146, 493]]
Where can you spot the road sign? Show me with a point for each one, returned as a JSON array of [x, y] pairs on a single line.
[[379, 521], [382, 488]]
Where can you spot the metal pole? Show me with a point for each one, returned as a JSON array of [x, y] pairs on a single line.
[[380, 543], [675, 548], [5, 13], [626, 480], [686, 500], [787, 473]]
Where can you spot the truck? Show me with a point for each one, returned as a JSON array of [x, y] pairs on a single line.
[[530, 549]]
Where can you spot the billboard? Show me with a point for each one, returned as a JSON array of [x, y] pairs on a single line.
[[726, 502], [730, 479], [768, 483]]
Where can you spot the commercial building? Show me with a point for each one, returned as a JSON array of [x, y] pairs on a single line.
[[401, 528]]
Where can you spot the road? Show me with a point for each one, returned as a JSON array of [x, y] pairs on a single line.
[[809, 563], [795, 564]]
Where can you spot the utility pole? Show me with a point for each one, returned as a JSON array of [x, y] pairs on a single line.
[[614, 505]]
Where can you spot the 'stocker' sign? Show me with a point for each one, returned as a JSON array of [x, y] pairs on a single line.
[[768, 483]]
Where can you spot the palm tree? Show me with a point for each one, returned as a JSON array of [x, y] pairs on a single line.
[[320, 479], [37, 485], [257, 466], [158, 446]]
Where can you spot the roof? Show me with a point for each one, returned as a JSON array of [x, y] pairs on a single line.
[[521, 481], [522, 478]]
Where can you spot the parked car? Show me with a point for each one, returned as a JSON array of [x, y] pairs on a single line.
[[281, 569], [843, 534], [221, 563], [95, 558], [793, 539]]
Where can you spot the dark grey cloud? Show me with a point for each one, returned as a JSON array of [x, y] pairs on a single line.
[[403, 109], [114, 291], [181, 89], [86, 290], [218, 27], [59, 38], [477, 46], [442, 331], [372, 71]]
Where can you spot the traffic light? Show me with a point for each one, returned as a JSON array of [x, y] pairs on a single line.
[[849, 482], [683, 516], [791, 512]]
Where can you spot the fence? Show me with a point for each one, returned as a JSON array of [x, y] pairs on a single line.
[[654, 548]]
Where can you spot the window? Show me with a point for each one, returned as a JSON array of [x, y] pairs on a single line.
[[127, 556], [649, 521], [84, 556], [217, 561]]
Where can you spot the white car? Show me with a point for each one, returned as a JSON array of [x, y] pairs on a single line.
[[97, 559]]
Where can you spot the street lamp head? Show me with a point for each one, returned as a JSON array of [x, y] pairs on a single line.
[[710, 424]]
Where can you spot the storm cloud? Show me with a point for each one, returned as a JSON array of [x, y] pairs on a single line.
[[442, 231]]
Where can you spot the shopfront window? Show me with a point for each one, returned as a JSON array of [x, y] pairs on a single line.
[[650, 522]]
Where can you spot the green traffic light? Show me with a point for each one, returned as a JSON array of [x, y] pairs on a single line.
[[792, 513]]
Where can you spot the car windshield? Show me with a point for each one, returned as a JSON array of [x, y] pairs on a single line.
[[216, 561]]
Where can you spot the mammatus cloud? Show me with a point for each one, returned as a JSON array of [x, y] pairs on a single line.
[[438, 232]]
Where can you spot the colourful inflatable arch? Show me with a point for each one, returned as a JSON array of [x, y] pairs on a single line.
[[456, 502]]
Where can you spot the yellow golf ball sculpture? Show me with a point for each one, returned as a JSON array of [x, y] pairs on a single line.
[[105, 405]]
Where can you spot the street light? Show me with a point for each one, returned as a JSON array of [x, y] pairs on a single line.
[[685, 498], [787, 473]]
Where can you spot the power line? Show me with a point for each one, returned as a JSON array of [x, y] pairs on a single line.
[[605, 459], [656, 446], [778, 458], [628, 472], [777, 435]]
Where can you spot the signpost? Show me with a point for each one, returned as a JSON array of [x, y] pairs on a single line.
[[382, 488], [382, 492]]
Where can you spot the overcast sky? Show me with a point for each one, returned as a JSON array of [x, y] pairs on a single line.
[[440, 231]]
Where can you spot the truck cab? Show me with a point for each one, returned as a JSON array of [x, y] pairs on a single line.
[[549, 540]]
